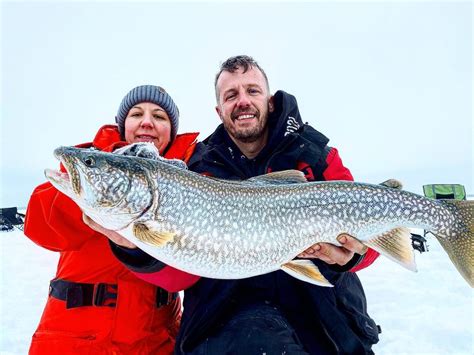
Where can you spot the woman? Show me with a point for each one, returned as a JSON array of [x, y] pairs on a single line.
[[95, 304]]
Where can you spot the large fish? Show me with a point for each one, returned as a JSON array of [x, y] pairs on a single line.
[[229, 230]]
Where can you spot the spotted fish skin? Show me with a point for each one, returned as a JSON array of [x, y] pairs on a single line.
[[228, 230]]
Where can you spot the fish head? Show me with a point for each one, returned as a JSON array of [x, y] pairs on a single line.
[[112, 189]]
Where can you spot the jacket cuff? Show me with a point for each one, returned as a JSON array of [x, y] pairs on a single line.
[[369, 257], [136, 259], [356, 259]]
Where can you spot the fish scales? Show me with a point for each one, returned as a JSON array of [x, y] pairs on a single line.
[[228, 229]]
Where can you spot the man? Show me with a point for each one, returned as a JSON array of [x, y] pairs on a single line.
[[273, 313]]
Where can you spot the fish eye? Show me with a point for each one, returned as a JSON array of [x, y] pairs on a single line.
[[89, 161]]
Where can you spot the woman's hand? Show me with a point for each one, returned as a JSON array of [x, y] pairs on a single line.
[[112, 235]]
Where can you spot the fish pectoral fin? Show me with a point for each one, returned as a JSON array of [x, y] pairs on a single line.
[[396, 245], [305, 270], [279, 178], [150, 236]]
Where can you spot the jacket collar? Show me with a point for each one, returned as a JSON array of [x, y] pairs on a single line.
[[108, 139]]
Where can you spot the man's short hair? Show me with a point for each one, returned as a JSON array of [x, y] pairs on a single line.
[[232, 64]]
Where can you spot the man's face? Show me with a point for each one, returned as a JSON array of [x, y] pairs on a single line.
[[244, 104]]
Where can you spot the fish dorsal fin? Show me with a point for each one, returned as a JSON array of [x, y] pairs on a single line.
[[305, 270], [150, 236], [279, 178], [393, 183], [396, 245]]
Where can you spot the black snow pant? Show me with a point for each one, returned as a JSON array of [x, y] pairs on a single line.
[[254, 330]]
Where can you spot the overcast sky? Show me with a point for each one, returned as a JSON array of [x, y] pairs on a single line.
[[390, 83]]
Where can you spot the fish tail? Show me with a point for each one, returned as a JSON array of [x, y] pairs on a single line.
[[459, 243]]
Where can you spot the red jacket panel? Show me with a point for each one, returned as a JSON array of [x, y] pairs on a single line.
[[169, 278]]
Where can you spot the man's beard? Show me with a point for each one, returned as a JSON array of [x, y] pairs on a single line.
[[248, 135]]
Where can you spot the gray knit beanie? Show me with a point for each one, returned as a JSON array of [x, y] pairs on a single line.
[[148, 93]]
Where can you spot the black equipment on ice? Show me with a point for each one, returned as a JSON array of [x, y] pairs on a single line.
[[10, 218]]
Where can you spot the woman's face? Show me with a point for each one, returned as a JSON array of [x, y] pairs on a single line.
[[148, 122]]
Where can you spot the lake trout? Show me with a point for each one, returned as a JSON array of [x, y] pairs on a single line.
[[237, 229]]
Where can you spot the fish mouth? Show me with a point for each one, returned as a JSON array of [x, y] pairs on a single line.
[[57, 175], [60, 181], [67, 182]]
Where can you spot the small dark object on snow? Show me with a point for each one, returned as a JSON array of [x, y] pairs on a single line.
[[10, 218], [419, 243]]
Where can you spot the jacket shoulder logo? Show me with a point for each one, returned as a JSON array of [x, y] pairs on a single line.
[[292, 125]]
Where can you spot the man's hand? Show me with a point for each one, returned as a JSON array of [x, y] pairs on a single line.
[[112, 235], [333, 254]]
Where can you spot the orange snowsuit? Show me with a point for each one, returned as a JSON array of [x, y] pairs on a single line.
[[95, 304]]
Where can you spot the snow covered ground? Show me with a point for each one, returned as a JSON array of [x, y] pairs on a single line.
[[429, 312]]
